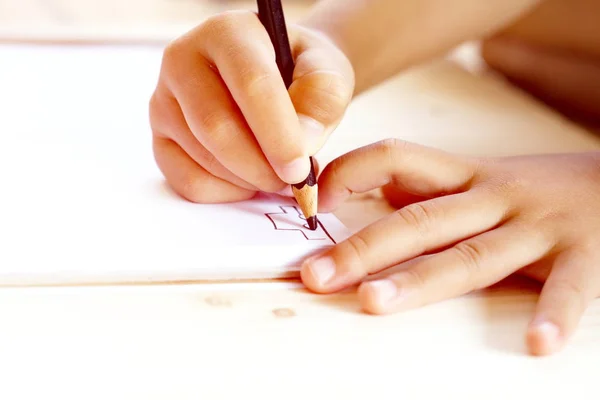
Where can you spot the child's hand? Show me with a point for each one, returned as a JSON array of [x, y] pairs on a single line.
[[224, 125], [480, 220]]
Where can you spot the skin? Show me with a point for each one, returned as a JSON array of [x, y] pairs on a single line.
[[554, 53], [224, 128], [482, 220]]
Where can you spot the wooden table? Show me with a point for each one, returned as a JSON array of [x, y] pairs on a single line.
[[276, 340]]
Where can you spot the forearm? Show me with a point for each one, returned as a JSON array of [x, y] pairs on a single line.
[[383, 37]]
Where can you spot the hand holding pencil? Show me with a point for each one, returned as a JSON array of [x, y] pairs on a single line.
[[227, 124]]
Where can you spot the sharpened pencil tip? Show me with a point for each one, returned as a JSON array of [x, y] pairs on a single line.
[[312, 223]]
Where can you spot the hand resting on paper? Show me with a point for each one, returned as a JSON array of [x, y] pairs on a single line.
[[465, 223], [225, 126]]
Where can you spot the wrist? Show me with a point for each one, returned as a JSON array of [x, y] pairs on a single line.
[[381, 38]]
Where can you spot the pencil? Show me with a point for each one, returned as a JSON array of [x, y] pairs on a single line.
[[270, 13]]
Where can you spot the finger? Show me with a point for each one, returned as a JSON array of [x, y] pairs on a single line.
[[321, 90], [167, 121], [316, 166], [413, 168], [566, 81], [470, 265], [409, 232], [399, 198], [211, 113], [246, 61], [538, 271], [287, 191], [190, 180], [570, 287]]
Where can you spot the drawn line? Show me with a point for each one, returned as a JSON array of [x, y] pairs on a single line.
[[268, 215]]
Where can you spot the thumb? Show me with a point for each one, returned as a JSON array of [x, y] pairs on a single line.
[[321, 91]]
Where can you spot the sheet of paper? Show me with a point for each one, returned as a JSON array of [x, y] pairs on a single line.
[[83, 201]]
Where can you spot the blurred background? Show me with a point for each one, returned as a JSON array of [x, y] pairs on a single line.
[[116, 20]]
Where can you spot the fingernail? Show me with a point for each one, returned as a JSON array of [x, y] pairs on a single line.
[[548, 330], [549, 334], [295, 171], [322, 270], [383, 290], [311, 126]]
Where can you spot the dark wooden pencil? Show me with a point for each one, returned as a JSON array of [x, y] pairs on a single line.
[[270, 13]]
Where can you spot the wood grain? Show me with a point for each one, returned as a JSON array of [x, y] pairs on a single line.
[[220, 342]]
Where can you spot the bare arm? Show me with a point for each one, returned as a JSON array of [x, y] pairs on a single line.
[[382, 37]]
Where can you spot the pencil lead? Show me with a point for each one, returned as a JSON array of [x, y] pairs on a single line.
[[312, 223]]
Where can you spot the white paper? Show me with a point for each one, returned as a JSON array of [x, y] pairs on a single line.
[[82, 200]]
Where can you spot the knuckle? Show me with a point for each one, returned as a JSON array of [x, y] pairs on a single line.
[[225, 27], [209, 162], [419, 216], [506, 184], [358, 248], [161, 109], [179, 57], [337, 89], [253, 77], [171, 55], [154, 110], [414, 277], [196, 189], [326, 95], [257, 84], [219, 130], [472, 253], [222, 24], [174, 52], [390, 149], [212, 122]]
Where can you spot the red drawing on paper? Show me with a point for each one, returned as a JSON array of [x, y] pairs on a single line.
[[290, 218]]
